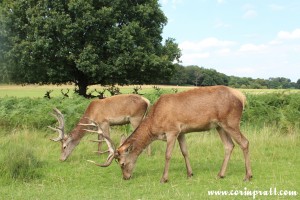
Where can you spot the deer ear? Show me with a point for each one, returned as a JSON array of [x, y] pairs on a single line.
[[123, 138], [129, 149]]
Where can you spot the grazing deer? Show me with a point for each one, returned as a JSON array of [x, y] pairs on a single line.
[[47, 94], [65, 94], [116, 110], [136, 89], [173, 115]]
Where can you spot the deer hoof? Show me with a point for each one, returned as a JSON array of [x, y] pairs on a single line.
[[221, 176], [163, 180], [247, 178], [190, 175]]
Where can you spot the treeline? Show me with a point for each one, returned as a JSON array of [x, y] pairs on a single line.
[[199, 76]]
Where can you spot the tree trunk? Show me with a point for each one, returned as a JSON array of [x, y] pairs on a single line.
[[82, 84], [81, 81], [82, 87]]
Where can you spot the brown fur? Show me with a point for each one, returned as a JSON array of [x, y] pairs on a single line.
[[115, 110], [173, 115]]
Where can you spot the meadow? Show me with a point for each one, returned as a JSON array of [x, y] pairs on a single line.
[[30, 169]]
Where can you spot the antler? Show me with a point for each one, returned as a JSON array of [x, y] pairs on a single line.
[[92, 124], [61, 128], [111, 147], [111, 155]]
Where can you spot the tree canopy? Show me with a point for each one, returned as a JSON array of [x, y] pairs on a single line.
[[200, 76], [85, 42]]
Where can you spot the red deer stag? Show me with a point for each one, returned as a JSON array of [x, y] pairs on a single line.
[[116, 110], [173, 115]]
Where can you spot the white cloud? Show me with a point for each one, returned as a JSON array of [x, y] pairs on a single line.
[[276, 7], [164, 2], [221, 1], [224, 51], [205, 43], [173, 3], [220, 24], [285, 35], [193, 58], [252, 48], [249, 14], [249, 11], [275, 42], [195, 51], [197, 55]]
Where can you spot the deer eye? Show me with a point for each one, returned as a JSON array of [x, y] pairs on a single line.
[[122, 165]]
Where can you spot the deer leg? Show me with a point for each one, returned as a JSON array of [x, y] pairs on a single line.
[[240, 139], [184, 151], [228, 146], [170, 145]]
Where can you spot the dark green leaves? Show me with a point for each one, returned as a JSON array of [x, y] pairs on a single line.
[[86, 42]]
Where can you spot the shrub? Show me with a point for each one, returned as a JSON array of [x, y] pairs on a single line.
[[34, 112], [275, 109]]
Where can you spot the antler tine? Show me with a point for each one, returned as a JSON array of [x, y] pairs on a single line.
[[111, 150], [60, 117], [111, 147], [60, 129], [94, 124]]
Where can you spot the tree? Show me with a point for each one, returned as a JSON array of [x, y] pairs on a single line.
[[85, 42], [298, 84], [279, 83], [180, 76], [194, 74]]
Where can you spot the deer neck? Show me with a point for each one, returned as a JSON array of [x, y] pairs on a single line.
[[141, 138], [78, 132]]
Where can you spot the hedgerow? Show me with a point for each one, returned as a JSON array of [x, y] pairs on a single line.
[[273, 109]]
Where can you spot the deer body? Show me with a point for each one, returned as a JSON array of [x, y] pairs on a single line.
[[116, 110], [174, 115]]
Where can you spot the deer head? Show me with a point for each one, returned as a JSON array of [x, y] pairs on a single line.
[[67, 143], [121, 155]]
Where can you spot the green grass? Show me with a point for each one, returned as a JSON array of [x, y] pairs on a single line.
[[275, 163], [30, 169]]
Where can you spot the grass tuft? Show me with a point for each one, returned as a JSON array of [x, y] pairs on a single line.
[[18, 159]]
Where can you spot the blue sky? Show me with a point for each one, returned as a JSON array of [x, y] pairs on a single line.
[[255, 38]]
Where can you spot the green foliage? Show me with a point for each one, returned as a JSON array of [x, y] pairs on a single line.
[[156, 92], [34, 113], [85, 42], [18, 160], [279, 109], [200, 76], [271, 83]]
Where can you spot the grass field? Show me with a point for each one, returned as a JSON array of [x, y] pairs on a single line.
[[275, 163], [30, 168], [40, 90]]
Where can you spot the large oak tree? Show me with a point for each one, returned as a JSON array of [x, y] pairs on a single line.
[[85, 42]]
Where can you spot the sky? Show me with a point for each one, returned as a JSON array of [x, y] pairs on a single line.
[[245, 38]]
